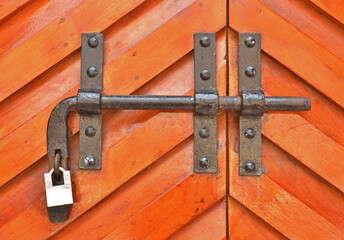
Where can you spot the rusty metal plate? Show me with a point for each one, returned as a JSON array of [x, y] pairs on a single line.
[[206, 100], [249, 73], [90, 134]]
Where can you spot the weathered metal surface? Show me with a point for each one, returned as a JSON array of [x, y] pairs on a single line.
[[58, 144], [89, 100], [253, 103], [206, 100]]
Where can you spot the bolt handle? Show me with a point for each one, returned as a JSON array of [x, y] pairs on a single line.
[[287, 104]]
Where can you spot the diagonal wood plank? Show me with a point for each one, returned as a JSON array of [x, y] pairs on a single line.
[[30, 100], [246, 225], [171, 129], [210, 225], [166, 83], [133, 196], [333, 7], [131, 84], [57, 40], [311, 148], [8, 8], [28, 22], [312, 23], [182, 203], [324, 115], [278, 207], [299, 53]]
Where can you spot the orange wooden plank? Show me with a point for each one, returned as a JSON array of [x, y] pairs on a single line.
[[299, 181], [166, 83], [130, 198], [171, 40], [31, 20], [36, 183], [333, 7], [279, 208], [307, 144], [299, 53], [210, 225], [162, 60], [176, 207], [30, 100], [170, 130], [312, 23], [324, 115], [8, 8], [279, 81], [302, 183], [245, 225], [57, 40], [288, 129]]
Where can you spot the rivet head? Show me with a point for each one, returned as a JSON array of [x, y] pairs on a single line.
[[250, 133], [250, 167], [90, 160], [90, 131], [250, 71], [204, 163], [250, 42], [92, 72], [205, 41], [93, 42], [204, 133], [205, 74]]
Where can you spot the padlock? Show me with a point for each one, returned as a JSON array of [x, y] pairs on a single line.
[[58, 195]]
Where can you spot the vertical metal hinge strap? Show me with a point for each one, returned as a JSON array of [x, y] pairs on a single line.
[[90, 134], [206, 103]]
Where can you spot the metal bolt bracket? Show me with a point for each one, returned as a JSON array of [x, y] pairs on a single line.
[[254, 104], [251, 103]]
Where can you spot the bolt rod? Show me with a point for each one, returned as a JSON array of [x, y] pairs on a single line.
[[187, 103]]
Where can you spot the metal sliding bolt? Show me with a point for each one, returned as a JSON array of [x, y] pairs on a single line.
[[250, 167], [204, 162], [205, 41], [250, 71], [92, 72], [92, 42], [250, 42], [90, 131], [90, 160], [205, 74]]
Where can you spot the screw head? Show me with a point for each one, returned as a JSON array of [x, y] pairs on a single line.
[[250, 167], [204, 133], [205, 74], [92, 72], [250, 42], [92, 42], [204, 163], [90, 131], [205, 41], [250, 71], [250, 133], [90, 160]]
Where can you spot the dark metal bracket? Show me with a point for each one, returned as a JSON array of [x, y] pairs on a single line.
[[251, 104]]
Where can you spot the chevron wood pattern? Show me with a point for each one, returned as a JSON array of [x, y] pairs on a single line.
[[146, 188]]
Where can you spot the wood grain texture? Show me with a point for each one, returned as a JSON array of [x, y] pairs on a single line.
[[146, 52], [147, 189], [300, 193]]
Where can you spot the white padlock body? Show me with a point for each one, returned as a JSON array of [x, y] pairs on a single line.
[[61, 194]]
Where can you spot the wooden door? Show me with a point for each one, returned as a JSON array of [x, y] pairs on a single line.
[[300, 194], [146, 188]]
